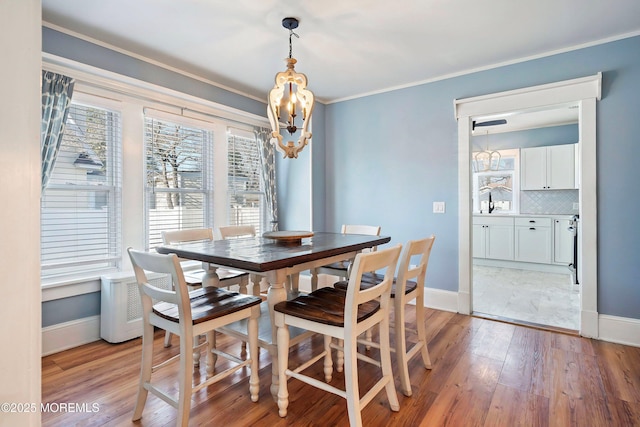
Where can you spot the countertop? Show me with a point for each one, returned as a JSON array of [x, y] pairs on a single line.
[[524, 215]]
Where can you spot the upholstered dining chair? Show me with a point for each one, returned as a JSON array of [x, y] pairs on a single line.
[[409, 285], [194, 277], [341, 268], [189, 315], [342, 315]]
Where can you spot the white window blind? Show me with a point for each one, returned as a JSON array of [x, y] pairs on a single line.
[[179, 175], [80, 208], [246, 198]]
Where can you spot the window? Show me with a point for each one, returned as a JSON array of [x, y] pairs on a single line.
[[246, 196], [179, 175], [496, 181], [80, 208]]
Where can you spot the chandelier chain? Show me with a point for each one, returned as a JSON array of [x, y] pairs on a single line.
[[290, 44]]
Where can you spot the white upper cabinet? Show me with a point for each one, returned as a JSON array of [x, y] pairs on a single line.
[[548, 168]]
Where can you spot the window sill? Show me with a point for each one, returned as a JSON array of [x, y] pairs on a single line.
[[58, 288], [70, 286]]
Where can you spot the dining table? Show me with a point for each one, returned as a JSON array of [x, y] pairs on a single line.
[[278, 257]]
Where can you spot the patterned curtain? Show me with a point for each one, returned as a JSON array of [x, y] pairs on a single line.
[[56, 98], [268, 158]]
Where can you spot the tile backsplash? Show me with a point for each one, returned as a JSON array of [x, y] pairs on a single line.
[[553, 202]]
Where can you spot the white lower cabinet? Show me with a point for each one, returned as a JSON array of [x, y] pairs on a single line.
[[533, 240], [493, 237], [530, 239], [562, 242]]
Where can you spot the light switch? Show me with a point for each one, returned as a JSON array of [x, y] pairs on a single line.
[[438, 207]]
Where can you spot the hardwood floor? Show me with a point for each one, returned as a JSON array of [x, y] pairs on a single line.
[[485, 373]]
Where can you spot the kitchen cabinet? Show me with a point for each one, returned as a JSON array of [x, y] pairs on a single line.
[[548, 168], [533, 240], [562, 241], [493, 237]]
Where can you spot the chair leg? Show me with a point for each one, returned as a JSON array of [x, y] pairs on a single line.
[[314, 280], [340, 356], [244, 281], [328, 362], [368, 335], [184, 382], [145, 370], [210, 356], [294, 283], [196, 353], [255, 287], [422, 335], [401, 346], [385, 362], [351, 381], [254, 354], [283, 364], [167, 339]]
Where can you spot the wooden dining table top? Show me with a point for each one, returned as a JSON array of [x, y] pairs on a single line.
[[261, 254]]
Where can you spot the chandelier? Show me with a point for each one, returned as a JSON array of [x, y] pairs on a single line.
[[290, 99], [486, 160]]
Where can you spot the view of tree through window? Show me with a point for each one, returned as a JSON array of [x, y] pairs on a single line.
[[79, 208], [246, 192], [178, 184]]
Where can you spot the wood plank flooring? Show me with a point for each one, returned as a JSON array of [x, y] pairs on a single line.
[[485, 373]]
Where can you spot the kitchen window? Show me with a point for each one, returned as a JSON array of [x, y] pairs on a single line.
[[495, 182]]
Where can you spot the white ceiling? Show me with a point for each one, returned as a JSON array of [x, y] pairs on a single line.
[[347, 48]]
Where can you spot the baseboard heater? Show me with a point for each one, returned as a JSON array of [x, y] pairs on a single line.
[[120, 306]]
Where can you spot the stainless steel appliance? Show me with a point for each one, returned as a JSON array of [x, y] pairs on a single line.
[[574, 228]]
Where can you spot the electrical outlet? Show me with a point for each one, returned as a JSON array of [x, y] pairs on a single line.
[[438, 207]]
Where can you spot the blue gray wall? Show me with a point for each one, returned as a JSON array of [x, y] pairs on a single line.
[[389, 156], [60, 44]]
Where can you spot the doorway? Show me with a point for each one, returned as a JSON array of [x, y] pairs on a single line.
[[583, 92], [525, 197]]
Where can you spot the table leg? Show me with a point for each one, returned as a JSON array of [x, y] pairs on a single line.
[[210, 277], [277, 293]]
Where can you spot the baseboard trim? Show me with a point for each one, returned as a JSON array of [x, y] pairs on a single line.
[[619, 330], [64, 336], [441, 300]]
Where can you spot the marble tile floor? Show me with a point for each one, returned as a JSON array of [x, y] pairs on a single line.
[[530, 296]]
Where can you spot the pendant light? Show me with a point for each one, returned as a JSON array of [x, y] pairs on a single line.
[[486, 160], [290, 99]]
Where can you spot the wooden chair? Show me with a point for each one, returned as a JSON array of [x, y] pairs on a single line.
[[408, 285], [342, 315], [341, 268], [189, 315], [236, 232], [194, 277]]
